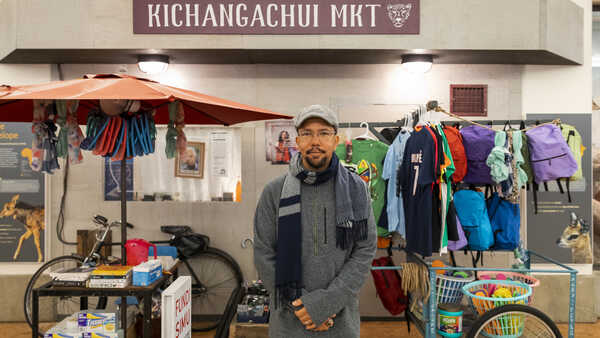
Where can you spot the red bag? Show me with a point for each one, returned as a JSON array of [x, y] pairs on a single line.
[[389, 287], [457, 149]]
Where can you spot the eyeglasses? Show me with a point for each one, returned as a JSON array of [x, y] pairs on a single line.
[[321, 136]]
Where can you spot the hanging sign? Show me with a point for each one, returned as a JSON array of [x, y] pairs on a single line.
[[176, 310], [276, 17]]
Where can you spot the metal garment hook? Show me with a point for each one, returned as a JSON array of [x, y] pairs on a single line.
[[245, 242]]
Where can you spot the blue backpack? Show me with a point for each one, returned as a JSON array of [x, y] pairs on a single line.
[[472, 213], [505, 218]]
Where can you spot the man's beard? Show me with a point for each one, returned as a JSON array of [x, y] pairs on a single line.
[[318, 165]]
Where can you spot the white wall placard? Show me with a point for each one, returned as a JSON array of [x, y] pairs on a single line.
[[176, 311]]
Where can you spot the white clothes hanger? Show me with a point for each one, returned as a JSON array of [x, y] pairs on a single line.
[[422, 120], [366, 133], [407, 122]]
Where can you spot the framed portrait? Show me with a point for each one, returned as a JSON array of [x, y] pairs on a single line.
[[191, 163]]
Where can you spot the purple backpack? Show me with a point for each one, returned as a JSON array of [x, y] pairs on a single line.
[[462, 240], [551, 157], [478, 142]]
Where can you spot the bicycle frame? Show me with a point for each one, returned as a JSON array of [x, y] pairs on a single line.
[[95, 253], [431, 313], [196, 284]]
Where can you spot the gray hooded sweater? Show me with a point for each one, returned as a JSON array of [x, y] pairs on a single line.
[[332, 277]]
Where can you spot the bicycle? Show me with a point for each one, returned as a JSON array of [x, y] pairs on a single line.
[[212, 294], [216, 276], [67, 305]]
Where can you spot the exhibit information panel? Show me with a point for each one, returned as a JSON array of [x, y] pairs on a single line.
[[22, 222], [554, 231]]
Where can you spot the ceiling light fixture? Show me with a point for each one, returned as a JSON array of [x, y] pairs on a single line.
[[153, 64], [417, 63]]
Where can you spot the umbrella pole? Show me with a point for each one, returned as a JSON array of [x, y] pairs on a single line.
[[123, 307], [123, 210]]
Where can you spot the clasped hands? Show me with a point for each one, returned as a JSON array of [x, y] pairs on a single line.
[[305, 319]]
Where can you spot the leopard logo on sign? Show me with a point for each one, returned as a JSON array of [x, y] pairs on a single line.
[[399, 13]]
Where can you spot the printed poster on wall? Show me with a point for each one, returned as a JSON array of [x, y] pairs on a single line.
[[22, 222], [280, 141], [220, 153], [112, 180], [561, 230]]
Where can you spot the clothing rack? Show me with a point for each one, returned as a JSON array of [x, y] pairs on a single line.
[[399, 123]]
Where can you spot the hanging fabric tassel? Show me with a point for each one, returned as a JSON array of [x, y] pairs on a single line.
[[74, 135], [62, 148], [39, 133], [49, 140], [95, 124], [70, 135], [179, 125], [171, 136], [152, 129]]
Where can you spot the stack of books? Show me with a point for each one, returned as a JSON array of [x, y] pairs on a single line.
[[110, 276], [77, 276]]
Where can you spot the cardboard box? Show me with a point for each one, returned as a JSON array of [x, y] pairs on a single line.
[[101, 322], [147, 273]]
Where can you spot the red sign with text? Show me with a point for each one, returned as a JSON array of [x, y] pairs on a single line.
[[282, 17]]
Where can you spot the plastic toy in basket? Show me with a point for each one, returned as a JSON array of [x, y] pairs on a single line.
[[514, 276], [510, 325]]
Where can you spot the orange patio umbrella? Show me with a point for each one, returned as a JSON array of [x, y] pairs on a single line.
[[16, 105]]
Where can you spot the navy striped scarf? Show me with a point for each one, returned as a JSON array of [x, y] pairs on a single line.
[[351, 214]]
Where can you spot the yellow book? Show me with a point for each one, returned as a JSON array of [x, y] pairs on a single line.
[[112, 270]]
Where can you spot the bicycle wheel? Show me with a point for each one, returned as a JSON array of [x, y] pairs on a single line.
[[514, 320], [215, 276], [54, 309]]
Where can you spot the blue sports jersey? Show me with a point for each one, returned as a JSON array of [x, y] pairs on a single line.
[[416, 178]]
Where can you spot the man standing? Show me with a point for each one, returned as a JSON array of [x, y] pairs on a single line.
[[314, 237]]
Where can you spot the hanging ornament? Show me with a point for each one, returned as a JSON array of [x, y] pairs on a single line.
[[113, 107]]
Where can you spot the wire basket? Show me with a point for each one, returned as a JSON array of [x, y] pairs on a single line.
[[509, 325], [515, 276], [477, 293], [448, 289]]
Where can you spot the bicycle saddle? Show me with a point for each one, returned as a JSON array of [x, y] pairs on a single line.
[[99, 219], [175, 229]]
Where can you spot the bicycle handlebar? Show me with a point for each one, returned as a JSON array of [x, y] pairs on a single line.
[[103, 221]]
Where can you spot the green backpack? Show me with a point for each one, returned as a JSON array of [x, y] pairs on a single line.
[[573, 138], [526, 165]]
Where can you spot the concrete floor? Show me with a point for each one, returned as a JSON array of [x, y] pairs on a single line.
[[368, 330]]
